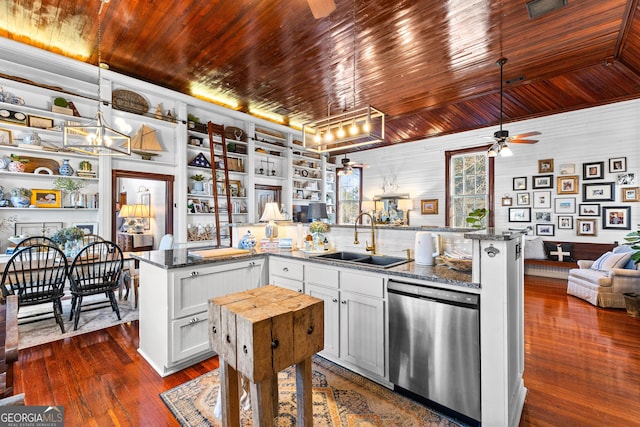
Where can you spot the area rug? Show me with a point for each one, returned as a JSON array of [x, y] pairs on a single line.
[[44, 331], [340, 398]]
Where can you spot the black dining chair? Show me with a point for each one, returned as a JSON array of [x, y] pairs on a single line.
[[37, 274], [91, 238], [96, 269], [35, 240]]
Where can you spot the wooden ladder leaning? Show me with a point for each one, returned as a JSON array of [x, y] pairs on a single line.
[[215, 159]]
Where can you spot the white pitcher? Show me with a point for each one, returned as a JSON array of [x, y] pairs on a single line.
[[427, 247]]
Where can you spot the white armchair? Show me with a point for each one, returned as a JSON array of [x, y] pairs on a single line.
[[604, 288]]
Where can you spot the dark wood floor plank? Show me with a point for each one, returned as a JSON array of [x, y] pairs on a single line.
[[582, 367]]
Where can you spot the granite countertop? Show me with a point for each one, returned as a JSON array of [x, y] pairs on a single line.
[[178, 258]]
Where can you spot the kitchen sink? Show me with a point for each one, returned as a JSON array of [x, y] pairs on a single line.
[[380, 261]]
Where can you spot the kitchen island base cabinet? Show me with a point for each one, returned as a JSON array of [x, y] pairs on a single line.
[[173, 308]]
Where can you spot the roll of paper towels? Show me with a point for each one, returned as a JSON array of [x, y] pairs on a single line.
[[427, 247]]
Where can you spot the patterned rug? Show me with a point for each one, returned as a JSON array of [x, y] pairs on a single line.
[[340, 398], [44, 331]]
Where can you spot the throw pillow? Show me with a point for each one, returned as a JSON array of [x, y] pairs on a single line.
[[610, 261], [534, 249], [562, 252], [630, 265]]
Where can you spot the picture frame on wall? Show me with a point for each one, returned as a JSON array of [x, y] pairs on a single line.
[[507, 201], [567, 169], [47, 229], [616, 217], [520, 183], [630, 194], [519, 214], [589, 209], [593, 170], [39, 122], [598, 192], [565, 205], [545, 230], [542, 199], [617, 164], [568, 184], [545, 166], [565, 222], [523, 199], [542, 181], [543, 216], [429, 207], [626, 178], [586, 227]]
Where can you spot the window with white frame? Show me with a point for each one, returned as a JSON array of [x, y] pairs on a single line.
[[349, 195]]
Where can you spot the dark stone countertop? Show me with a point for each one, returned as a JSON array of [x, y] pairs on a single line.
[[178, 258]]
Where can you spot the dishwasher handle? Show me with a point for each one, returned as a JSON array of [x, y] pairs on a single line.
[[446, 296]]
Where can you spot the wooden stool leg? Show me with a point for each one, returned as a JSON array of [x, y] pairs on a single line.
[[262, 403], [304, 392], [229, 395], [275, 395]]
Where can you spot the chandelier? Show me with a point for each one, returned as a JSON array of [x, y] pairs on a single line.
[[349, 129], [97, 138]]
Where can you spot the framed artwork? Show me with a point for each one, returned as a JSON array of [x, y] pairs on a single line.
[[586, 227], [545, 229], [507, 201], [542, 181], [429, 207], [234, 188], [567, 169], [542, 199], [543, 216], [46, 198], [37, 228], [565, 205], [520, 183], [197, 208], [87, 227], [617, 164], [630, 194], [519, 214], [522, 199], [545, 166], [565, 222], [145, 199], [589, 209], [568, 184], [626, 178], [205, 206], [602, 191], [6, 137], [594, 170], [39, 122], [616, 217]]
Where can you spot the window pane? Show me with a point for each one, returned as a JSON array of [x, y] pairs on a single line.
[[349, 197], [469, 186]]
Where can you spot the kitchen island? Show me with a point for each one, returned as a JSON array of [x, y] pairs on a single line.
[[175, 288]]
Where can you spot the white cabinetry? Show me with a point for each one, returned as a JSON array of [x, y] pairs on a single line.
[[173, 308], [323, 283], [286, 273]]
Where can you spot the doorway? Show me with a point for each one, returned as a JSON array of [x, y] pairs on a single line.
[[151, 189]]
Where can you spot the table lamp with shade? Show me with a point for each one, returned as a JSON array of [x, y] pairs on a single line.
[[317, 211], [405, 205], [271, 213], [369, 206], [125, 214]]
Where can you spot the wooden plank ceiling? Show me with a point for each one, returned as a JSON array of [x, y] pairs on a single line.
[[430, 65]]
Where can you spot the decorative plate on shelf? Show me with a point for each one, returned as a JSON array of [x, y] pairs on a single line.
[[126, 100]]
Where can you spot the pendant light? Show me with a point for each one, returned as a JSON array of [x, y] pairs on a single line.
[[97, 138]]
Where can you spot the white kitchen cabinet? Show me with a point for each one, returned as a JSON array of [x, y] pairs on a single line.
[[173, 308], [286, 273], [331, 317]]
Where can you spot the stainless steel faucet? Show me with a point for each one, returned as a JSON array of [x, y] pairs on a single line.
[[371, 248]]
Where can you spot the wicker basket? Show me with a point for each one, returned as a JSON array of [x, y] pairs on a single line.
[[458, 264]]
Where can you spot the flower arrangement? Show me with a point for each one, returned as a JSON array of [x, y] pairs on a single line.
[[318, 227], [68, 234], [69, 185]]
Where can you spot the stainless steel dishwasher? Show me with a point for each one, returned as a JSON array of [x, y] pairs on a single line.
[[434, 345]]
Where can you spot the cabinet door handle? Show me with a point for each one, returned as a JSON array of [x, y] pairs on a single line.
[[252, 264], [194, 320], [194, 273], [285, 269], [300, 290], [335, 300], [344, 302]]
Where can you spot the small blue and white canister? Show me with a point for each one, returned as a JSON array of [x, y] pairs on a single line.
[[248, 241], [66, 169]]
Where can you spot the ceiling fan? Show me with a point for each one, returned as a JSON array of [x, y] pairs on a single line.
[[502, 137], [348, 165]]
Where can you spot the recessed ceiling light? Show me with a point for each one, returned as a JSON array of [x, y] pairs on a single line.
[[537, 8]]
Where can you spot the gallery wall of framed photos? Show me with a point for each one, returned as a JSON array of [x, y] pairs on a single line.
[[586, 199]]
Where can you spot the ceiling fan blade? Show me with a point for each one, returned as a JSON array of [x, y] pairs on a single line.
[[526, 135], [522, 141]]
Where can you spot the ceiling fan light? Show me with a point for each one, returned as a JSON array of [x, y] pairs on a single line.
[[505, 151], [492, 152]]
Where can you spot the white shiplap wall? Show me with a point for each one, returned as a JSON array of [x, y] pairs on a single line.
[[589, 135]]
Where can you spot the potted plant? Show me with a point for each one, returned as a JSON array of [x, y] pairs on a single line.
[[61, 105], [20, 197], [475, 217], [198, 185], [192, 120], [71, 188]]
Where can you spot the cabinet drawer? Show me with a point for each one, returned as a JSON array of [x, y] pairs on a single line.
[[286, 268], [294, 285], [362, 283], [321, 275], [189, 337]]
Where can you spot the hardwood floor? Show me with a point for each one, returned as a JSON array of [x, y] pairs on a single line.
[[582, 368]]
